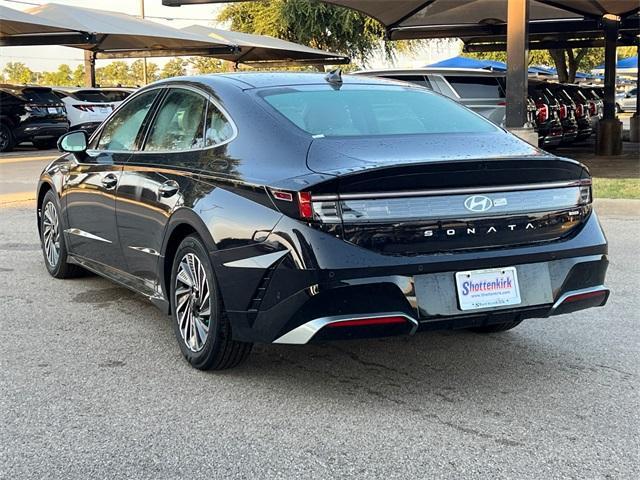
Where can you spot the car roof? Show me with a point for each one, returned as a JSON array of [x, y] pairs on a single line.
[[250, 80], [20, 88], [92, 89], [444, 70]]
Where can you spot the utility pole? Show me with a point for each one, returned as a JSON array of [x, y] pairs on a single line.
[[144, 60]]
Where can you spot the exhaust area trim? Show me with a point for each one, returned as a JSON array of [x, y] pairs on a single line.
[[305, 332]]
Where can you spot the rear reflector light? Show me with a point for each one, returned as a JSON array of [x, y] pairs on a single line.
[[284, 196], [304, 205], [585, 296], [366, 322], [579, 110]]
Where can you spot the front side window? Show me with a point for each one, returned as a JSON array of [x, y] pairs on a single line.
[[179, 124], [362, 110], [122, 129]]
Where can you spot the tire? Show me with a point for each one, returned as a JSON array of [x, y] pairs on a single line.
[[45, 144], [204, 338], [54, 248], [7, 141], [497, 327]]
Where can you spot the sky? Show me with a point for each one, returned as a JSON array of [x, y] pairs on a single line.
[[44, 58]]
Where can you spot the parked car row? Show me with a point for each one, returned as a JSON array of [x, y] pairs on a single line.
[[41, 114], [560, 113]]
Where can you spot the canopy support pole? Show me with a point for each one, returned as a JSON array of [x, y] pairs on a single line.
[[609, 138], [517, 70], [89, 68]]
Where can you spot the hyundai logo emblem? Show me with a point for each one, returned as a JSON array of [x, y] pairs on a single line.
[[478, 203]]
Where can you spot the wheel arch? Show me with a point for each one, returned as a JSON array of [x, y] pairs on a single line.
[[43, 188], [183, 222]]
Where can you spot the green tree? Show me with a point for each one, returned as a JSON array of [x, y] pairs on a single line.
[[77, 77], [62, 77], [174, 68], [137, 73], [203, 65], [114, 74], [18, 72], [315, 24]]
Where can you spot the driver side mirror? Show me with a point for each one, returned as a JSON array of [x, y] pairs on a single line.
[[73, 142]]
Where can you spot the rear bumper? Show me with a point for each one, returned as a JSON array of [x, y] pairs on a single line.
[[309, 279], [30, 131]]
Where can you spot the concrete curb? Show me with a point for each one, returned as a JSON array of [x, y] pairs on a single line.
[[8, 199]]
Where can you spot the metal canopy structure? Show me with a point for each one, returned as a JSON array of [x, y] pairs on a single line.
[[26, 27], [118, 35], [514, 26], [262, 49], [115, 35]]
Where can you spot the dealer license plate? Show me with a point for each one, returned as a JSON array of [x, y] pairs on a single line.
[[496, 287]]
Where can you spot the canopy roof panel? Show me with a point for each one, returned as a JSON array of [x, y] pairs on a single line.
[[120, 32], [471, 19], [262, 48], [15, 22]]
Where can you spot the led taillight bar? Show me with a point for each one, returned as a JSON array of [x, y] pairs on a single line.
[[366, 322]]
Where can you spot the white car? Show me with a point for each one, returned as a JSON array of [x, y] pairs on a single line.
[[88, 107], [628, 102]]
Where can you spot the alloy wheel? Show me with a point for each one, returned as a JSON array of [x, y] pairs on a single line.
[[51, 234], [193, 302], [4, 138]]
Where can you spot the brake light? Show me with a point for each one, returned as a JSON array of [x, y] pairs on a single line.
[[579, 110], [543, 112], [84, 108], [304, 205], [563, 111], [592, 109]]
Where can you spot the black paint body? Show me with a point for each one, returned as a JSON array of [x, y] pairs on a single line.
[[225, 197]]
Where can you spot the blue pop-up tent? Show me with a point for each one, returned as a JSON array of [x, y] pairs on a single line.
[[466, 62], [627, 66]]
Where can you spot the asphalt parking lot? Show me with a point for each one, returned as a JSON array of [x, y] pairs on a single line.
[[94, 386]]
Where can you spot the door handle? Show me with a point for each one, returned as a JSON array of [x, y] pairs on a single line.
[[109, 181], [168, 188]]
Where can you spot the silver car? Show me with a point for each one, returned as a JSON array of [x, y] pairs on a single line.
[[480, 90], [628, 102]]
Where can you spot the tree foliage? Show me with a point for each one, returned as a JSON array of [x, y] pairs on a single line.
[[315, 24], [18, 72], [202, 65], [175, 67]]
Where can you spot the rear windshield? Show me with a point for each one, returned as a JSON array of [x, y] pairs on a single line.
[[361, 110], [100, 96], [39, 95], [476, 87]]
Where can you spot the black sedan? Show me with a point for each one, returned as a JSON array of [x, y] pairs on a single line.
[[291, 208]]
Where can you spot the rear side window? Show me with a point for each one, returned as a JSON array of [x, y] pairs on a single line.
[[40, 95], [218, 128], [361, 111], [121, 130], [417, 79], [179, 124], [476, 87]]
